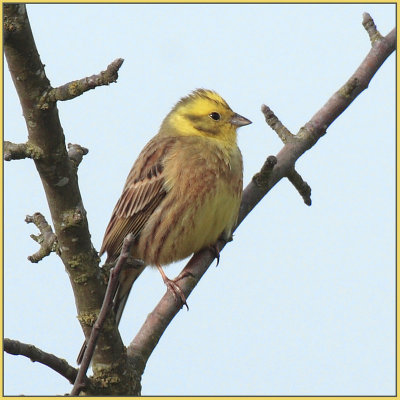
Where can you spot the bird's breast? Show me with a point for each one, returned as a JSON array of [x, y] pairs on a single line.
[[203, 198]]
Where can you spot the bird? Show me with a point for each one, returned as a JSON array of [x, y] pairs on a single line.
[[183, 192]]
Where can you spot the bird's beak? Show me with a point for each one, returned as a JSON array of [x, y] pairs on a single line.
[[239, 121]]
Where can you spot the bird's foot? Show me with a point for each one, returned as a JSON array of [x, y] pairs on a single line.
[[174, 288]]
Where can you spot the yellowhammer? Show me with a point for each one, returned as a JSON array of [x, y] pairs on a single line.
[[182, 193]]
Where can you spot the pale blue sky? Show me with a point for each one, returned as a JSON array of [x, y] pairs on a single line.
[[303, 301]]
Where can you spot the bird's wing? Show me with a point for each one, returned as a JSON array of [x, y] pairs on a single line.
[[143, 192]]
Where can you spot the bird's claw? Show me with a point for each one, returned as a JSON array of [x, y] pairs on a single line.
[[214, 248]]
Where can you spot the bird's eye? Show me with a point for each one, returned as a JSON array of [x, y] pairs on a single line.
[[215, 116]]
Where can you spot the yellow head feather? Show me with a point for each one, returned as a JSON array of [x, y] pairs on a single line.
[[203, 113]]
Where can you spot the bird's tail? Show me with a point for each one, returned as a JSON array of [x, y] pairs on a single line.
[[126, 281]]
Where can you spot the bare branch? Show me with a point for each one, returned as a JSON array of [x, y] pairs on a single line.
[[261, 178], [370, 27], [272, 120], [286, 136], [47, 239], [59, 175], [274, 169], [302, 187], [76, 153], [158, 320], [19, 151], [74, 89], [50, 360], [359, 81], [105, 308]]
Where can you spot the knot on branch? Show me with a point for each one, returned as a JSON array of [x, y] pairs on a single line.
[[76, 153], [76, 88], [19, 151], [261, 178], [47, 239], [272, 120], [72, 218], [370, 27], [88, 318]]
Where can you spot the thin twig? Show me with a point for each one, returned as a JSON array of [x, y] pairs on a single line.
[[50, 360], [47, 238], [370, 27], [287, 137], [272, 120], [105, 308], [302, 186], [261, 178], [74, 89]]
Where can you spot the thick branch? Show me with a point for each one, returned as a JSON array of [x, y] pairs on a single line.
[[272, 172], [36, 355], [59, 177], [158, 320], [47, 239], [74, 89]]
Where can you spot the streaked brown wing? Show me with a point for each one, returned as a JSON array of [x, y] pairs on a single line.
[[143, 192]]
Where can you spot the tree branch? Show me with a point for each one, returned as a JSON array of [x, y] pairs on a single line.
[[105, 308], [47, 239], [370, 27], [302, 186], [59, 177], [274, 123], [36, 355], [19, 151], [272, 172], [286, 136], [74, 89]]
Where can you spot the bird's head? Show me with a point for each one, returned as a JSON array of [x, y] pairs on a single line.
[[204, 113]]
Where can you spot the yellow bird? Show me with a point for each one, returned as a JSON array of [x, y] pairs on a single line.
[[182, 193]]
